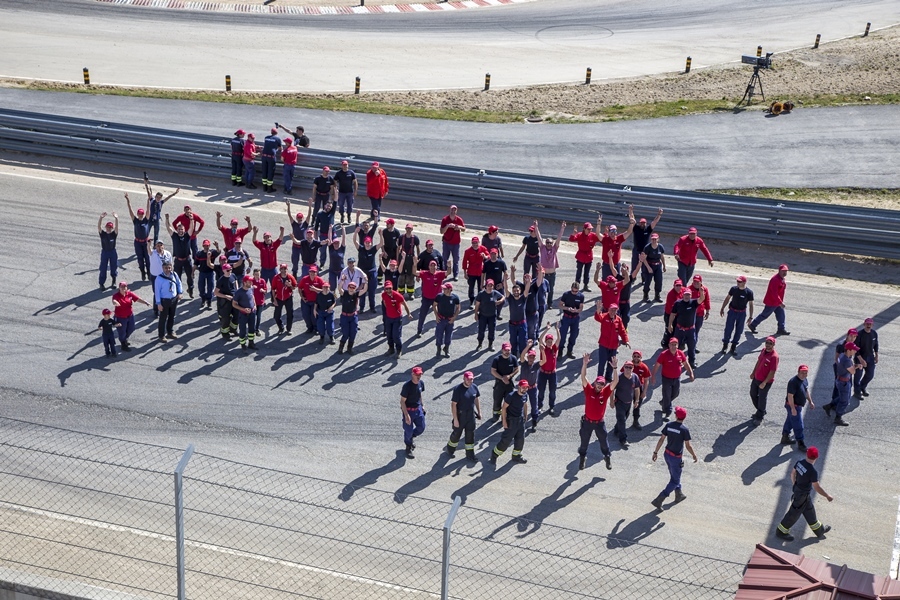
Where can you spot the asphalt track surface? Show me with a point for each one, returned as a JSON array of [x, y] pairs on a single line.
[[297, 406], [539, 42], [849, 146]]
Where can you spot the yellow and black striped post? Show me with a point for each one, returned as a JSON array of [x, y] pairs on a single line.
[[867, 29], [228, 83], [818, 37], [487, 81], [687, 65], [587, 76], [87, 76], [356, 88], [758, 51]]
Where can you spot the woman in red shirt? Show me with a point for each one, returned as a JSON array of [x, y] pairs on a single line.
[[123, 301]]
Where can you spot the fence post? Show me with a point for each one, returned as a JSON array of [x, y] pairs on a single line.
[[179, 520], [445, 566]]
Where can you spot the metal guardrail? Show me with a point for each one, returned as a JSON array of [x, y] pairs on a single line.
[[827, 228]]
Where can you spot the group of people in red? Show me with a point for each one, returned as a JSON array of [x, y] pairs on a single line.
[[334, 287]]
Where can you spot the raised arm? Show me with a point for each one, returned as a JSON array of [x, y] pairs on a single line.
[[287, 204], [169, 197], [128, 203], [169, 225], [100, 222], [659, 213], [584, 363], [116, 223], [562, 232]]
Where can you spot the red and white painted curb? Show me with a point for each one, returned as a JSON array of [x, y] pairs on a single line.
[[272, 9]]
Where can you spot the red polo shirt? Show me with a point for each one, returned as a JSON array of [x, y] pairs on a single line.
[[550, 358], [672, 297], [586, 241], [642, 371], [610, 295], [289, 155], [611, 330], [268, 255], [229, 236], [695, 293], [452, 236], [671, 363], [307, 283], [766, 363], [126, 302], [393, 304], [183, 219], [775, 291], [595, 402], [260, 287], [376, 183], [613, 243], [431, 283]]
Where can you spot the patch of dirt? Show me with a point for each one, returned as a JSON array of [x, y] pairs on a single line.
[[855, 66]]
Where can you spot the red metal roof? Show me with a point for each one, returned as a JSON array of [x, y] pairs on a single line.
[[777, 575]]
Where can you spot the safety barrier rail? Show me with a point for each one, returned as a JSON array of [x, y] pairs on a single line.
[[820, 227]]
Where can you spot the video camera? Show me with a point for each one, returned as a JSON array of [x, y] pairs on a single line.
[[758, 61]]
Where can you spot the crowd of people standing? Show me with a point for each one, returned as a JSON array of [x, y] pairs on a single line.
[[391, 266]]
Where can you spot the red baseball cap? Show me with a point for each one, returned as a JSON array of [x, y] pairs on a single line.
[[314, 269], [352, 284], [673, 341], [283, 266], [852, 332], [392, 262], [234, 221], [692, 230], [288, 141], [531, 228], [783, 267], [389, 221], [344, 162], [770, 339], [643, 220], [493, 228], [409, 226], [110, 224], [123, 284], [680, 412], [698, 278], [376, 164], [226, 267], [588, 226], [247, 278], [740, 278], [505, 346], [326, 168], [454, 207], [803, 368], [637, 353], [869, 320], [523, 383], [494, 251], [653, 236], [532, 352], [240, 132], [433, 262], [106, 311], [677, 282], [812, 453], [488, 282], [140, 211], [388, 285], [629, 364], [417, 370], [850, 346], [469, 375], [206, 243], [368, 239], [429, 242], [238, 240], [267, 234], [475, 238], [273, 130], [600, 379], [448, 286]]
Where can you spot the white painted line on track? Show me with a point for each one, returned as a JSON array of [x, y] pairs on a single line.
[[210, 547], [895, 557]]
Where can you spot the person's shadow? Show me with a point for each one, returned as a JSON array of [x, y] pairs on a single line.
[[634, 532], [727, 442], [370, 478], [531, 521], [764, 464]]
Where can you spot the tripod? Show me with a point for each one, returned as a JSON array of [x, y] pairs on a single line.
[[751, 88]]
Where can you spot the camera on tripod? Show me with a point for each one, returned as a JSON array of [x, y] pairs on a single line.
[[758, 61]]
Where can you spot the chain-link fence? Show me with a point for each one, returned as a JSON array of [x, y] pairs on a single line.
[[82, 510]]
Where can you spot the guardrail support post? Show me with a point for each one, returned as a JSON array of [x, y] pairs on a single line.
[[87, 76], [587, 76], [179, 520], [445, 556], [687, 65], [228, 83], [356, 88], [867, 30], [487, 81], [818, 37]]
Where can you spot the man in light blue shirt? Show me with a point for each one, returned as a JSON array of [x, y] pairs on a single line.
[[167, 290]]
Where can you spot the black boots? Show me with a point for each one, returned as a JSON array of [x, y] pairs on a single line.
[[341, 348], [679, 496], [350, 348], [786, 439], [581, 463], [409, 451], [657, 502]]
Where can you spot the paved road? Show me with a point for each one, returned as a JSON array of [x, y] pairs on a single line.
[[300, 407], [851, 146], [539, 42]]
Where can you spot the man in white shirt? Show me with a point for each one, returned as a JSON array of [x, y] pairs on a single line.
[[158, 257]]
